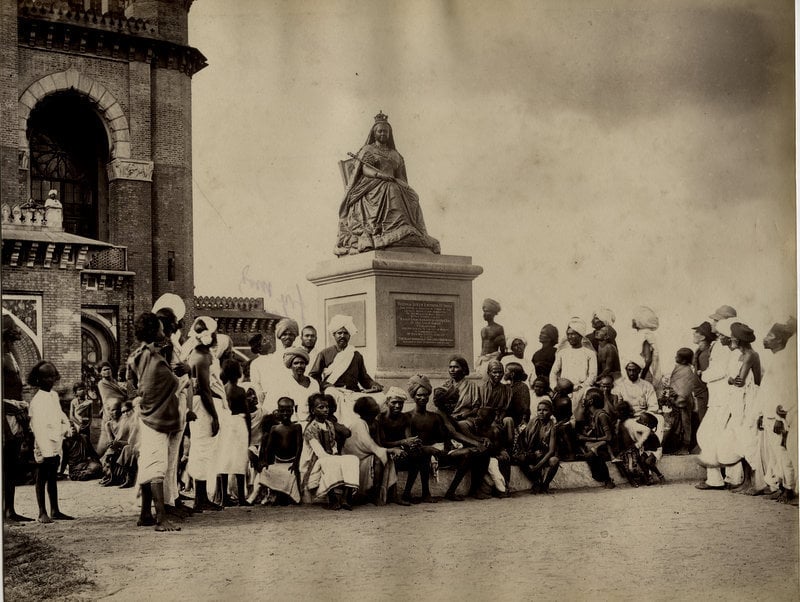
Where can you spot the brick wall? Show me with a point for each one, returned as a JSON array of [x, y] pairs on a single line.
[[9, 124], [61, 318], [120, 299], [168, 16], [172, 182]]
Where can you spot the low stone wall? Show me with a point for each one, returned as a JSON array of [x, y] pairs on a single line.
[[570, 475]]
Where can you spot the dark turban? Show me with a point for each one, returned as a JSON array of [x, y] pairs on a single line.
[[293, 352], [417, 381], [742, 332]]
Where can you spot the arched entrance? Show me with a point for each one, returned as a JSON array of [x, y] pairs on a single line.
[[98, 341], [69, 149]]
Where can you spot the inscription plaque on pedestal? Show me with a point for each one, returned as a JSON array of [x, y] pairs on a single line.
[[424, 323]]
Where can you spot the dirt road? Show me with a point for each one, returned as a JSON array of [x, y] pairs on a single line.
[[655, 543]]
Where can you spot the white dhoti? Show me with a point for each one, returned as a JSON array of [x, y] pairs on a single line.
[[203, 449], [171, 489], [232, 457], [329, 472], [154, 455], [278, 477]]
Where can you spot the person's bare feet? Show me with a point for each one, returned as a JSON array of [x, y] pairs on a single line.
[[43, 518], [146, 521], [428, 500], [165, 525], [18, 518], [454, 497], [61, 516]]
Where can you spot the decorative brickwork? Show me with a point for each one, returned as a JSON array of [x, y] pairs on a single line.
[[131, 67]]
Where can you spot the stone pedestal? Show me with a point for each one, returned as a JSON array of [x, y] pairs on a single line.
[[413, 309]]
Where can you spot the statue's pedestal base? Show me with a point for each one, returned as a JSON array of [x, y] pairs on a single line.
[[413, 309]]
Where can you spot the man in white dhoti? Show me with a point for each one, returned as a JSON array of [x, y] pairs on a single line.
[[716, 378]]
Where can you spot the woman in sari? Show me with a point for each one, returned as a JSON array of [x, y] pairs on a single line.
[[380, 209], [468, 391], [112, 395]]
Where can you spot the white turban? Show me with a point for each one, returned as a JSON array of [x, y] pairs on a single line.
[[577, 325], [339, 321], [511, 339], [286, 325], [205, 336], [645, 318], [605, 315], [396, 393], [173, 302]]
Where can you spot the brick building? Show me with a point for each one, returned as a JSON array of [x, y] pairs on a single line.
[[95, 103]]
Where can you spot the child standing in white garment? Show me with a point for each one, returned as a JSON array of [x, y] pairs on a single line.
[[49, 425]]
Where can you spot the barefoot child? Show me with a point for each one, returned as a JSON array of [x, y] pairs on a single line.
[[324, 472], [233, 445], [49, 425], [80, 409], [280, 456]]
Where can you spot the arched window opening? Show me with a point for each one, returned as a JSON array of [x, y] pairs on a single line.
[[69, 152]]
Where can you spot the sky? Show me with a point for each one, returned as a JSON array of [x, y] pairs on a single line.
[[586, 154]]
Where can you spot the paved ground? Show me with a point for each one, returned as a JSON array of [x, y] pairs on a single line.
[[654, 543]]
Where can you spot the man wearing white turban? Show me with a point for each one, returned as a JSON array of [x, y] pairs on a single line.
[[722, 362], [294, 383], [575, 362], [645, 323], [340, 369], [602, 317], [267, 372]]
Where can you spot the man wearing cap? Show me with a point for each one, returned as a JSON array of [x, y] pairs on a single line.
[[340, 369], [577, 362]]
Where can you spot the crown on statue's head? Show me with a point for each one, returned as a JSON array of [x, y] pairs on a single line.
[[381, 118]]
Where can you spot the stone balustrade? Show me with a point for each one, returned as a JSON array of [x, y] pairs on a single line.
[[32, 215]]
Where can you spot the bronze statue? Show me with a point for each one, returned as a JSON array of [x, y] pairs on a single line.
[[380, 210]]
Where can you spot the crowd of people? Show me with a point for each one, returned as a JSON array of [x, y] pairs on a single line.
[[183, 416]]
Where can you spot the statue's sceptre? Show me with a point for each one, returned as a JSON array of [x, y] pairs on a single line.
[[377, 169]]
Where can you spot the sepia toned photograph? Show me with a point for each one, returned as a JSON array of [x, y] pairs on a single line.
[[433, 299]]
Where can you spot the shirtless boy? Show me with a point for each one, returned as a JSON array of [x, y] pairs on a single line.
[[280, 456]]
